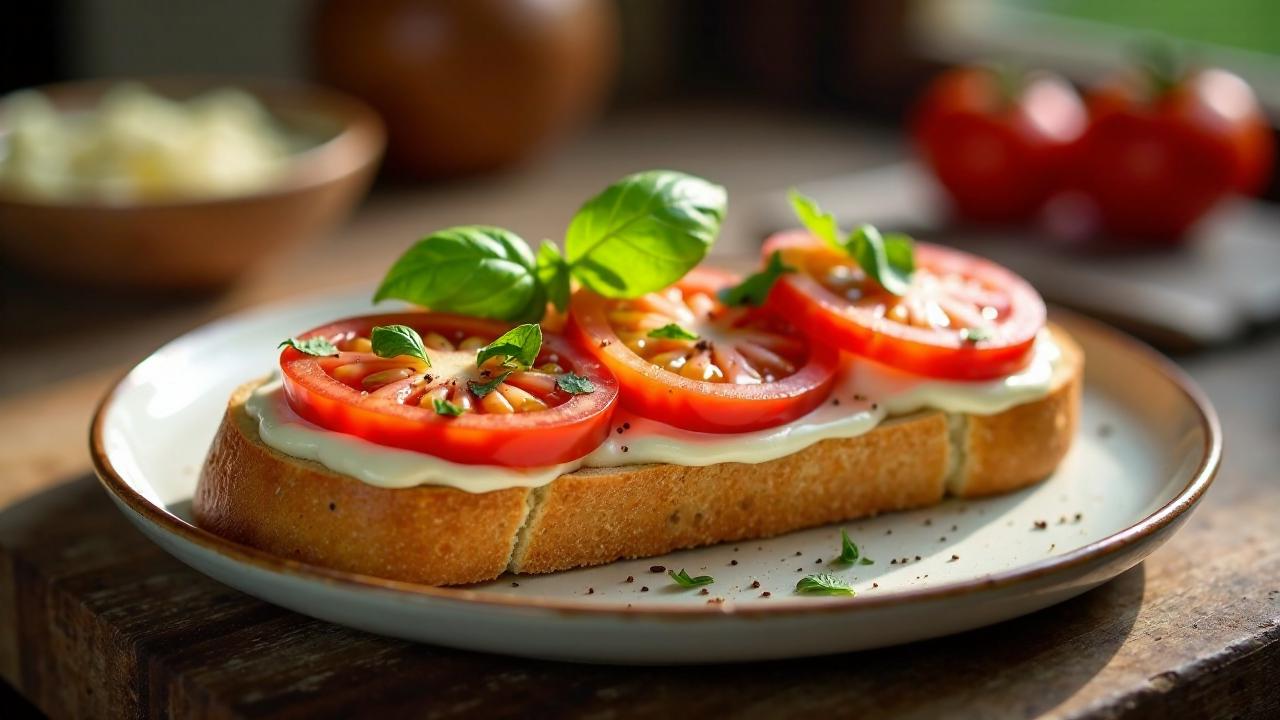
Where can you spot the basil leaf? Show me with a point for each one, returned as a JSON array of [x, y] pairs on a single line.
[[446, 408], [484, 388], [644, 232], [887, 259], [821, 224], [318, 346], [575, 384], [553, 273], [471, 270], [672, 331], [755, 288], [683, 580], [823, 584], [395, 340], [848, 550], [517, 347]]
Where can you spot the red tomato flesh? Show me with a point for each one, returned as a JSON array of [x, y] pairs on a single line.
[[746, 370], [525, 421], [954, 298]]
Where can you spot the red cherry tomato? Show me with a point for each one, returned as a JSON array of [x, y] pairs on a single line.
[[964, 318], [745, 370], [1154, 161], [998, 143], [527, 420]]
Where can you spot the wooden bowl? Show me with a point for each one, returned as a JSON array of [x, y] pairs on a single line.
[[200, 244]]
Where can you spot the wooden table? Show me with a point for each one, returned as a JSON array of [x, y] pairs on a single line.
[[95, 621]]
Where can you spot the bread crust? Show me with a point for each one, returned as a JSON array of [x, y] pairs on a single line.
[[254, 495], [1024, 444]]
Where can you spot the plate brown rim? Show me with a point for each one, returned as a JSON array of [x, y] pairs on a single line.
[[1182, 502]]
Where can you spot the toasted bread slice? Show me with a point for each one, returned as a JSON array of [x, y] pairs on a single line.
[[252, 494]]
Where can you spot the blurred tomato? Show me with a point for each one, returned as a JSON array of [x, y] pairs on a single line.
[[996, 140], [1161, 151]]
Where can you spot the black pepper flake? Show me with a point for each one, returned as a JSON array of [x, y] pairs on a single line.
[[1079, 517], [755, 584], [875, 406], [591, 591], [917, 558], [332, 507], [427, 378], [644, 588], [515, 584], [835, 401], [715, 601], [657, 568], [733, 562], [1041, 525], [626, 449], [954, 558], [942, 539], [604, 343], [630, 579], [704, 591], [859, 397], [889, 531], [735, 549], [893, 561], [766, 594], [626, 426], [875, 585], [798, 553], [955, 528], [818, 561], [702, 345], [928, 521], [799, 569], [619, 429]]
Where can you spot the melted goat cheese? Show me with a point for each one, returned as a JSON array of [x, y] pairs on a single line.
[[867, 393]]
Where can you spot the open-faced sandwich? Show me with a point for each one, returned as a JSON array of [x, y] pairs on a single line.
[[555, 410]]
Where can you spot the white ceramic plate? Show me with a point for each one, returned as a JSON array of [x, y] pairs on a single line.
[[1147, 449]]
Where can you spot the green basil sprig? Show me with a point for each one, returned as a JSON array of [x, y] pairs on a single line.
[[395, 340], [575, 384], [517, 347], [889, 258], [644, 232], [849, 550], [672, 331], [317, 346], [640, 234], [683, 580], [484, 388], [446, 408], [755, 288], [823, 584], [471, 270]]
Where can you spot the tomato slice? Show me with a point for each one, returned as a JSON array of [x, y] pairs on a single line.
[[526, 420], [964, 318], [746, 370]]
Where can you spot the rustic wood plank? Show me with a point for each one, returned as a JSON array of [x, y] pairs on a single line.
[[109, 624]]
